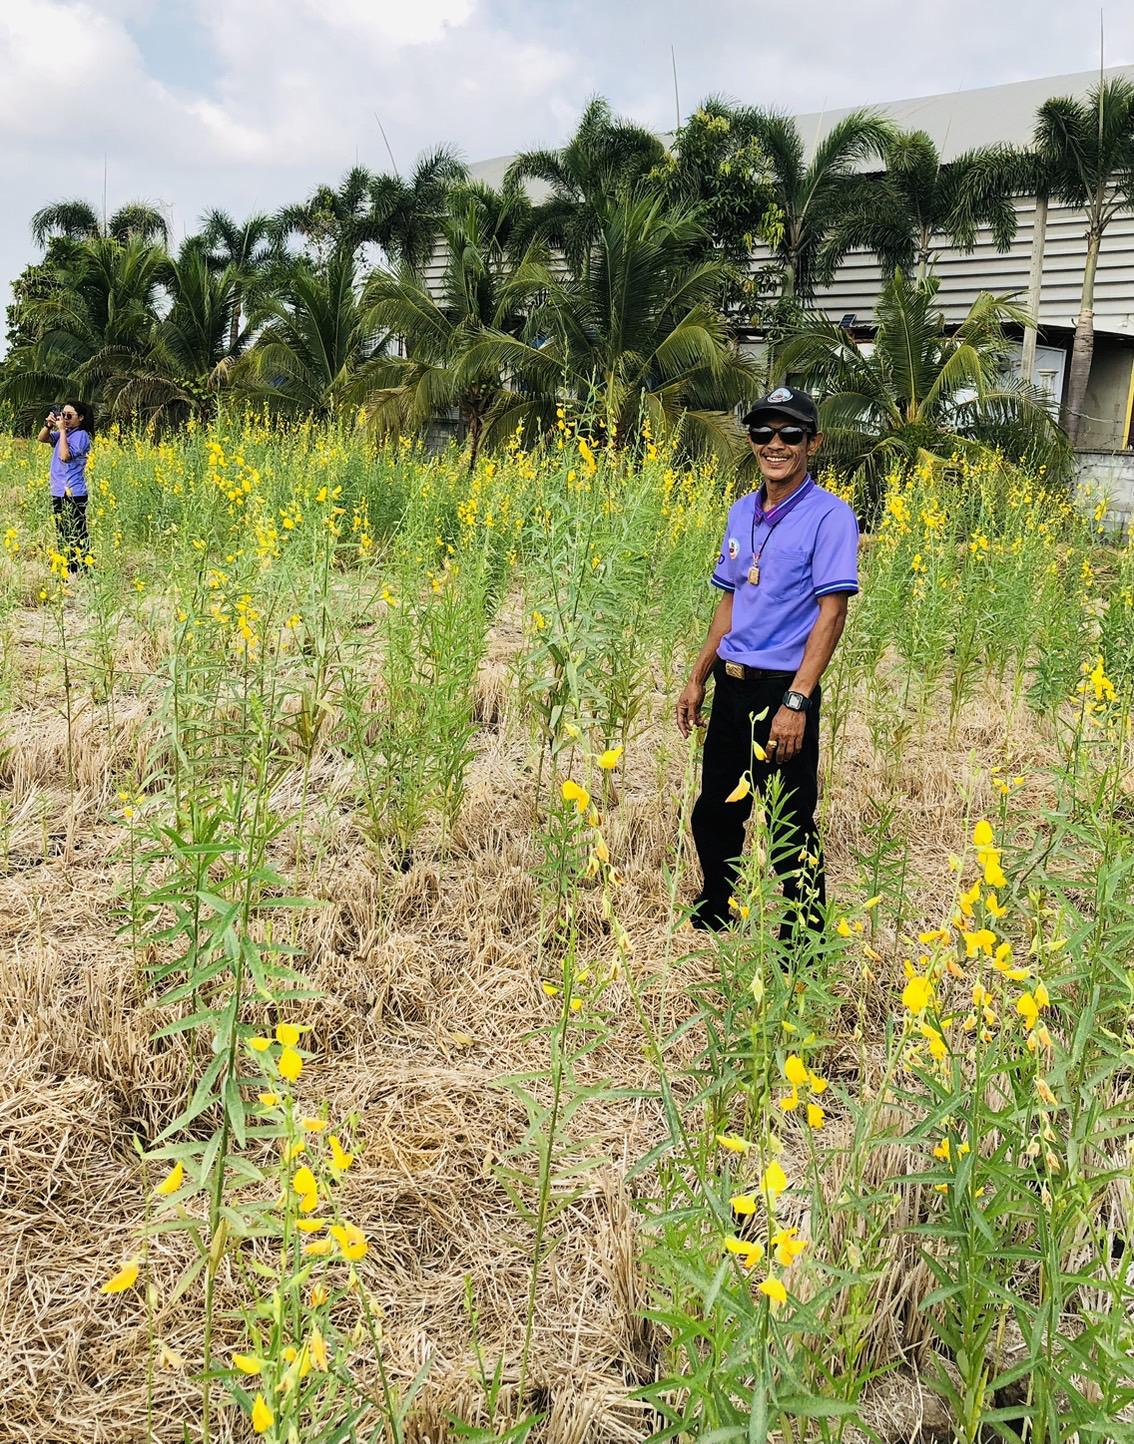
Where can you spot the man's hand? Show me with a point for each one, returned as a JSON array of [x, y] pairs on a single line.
[[786, 736], [689, 707]]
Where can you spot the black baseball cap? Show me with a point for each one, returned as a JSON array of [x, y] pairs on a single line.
[[784, 401]]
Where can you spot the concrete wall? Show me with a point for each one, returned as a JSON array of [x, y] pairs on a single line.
[[1109, 474]]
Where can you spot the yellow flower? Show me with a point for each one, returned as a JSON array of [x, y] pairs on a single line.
[[816, 1084], [788, 1248], [318, 1295], [610, 758], [789, 1102], [550, 989], [304, 1181], [872, 902], [247, 1363], [816, 1116], [1043, 1088], [983, 834], [269, 1100], [319, 1248], [290, 1065], [262, 1416], [795, 1070], [310, 1225], [572, 792], [313, 1125], [733, 1142], [1028, 1009], [773, 1180], [980, 940], [124, 1279], [743, 1203], [749, 1252], [317, 1349], [351, 1240], [261, 1045], [740, 791], [842, 927], [1041, 996], [917, 994], [287, 1034], [341, 1160], [172, 1180], [759, 753], [774, 1290], [993, 875]]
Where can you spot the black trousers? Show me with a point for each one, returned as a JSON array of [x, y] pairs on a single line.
[[718, 826], [71, 524]]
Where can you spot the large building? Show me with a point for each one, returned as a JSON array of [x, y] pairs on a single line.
[[1006, 114]]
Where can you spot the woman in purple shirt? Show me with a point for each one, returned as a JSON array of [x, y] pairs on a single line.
[[69, 432]]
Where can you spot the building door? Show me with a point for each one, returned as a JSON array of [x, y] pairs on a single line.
[[1047, 376]]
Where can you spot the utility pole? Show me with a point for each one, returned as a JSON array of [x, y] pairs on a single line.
[[676, 99]]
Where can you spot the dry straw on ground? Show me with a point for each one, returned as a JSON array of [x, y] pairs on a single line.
[[429, 984]]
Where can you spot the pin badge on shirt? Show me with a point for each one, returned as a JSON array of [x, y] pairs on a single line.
[[733, 548]]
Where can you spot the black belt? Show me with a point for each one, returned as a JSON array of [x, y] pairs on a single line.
[[744, 673]]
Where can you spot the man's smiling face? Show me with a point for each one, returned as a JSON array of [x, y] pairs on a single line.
[[783, 456]]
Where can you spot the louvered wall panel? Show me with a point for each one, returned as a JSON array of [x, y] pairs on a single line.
[[962, 277]]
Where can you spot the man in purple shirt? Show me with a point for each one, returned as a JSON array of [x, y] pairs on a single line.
[[788, 565], [68, 432]]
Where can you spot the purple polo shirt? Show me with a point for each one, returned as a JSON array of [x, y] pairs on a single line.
[[68, 478], [807, 548]]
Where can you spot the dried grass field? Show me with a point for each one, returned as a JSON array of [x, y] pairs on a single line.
[[362, 1081]]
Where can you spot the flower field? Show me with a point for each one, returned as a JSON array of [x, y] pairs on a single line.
[[362, 1079]]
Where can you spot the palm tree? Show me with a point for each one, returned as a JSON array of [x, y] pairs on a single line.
[[101, 305], [1085, 152], [331, 218], [318, 345], [606, 158], [400, 216], [192, 348], [903, 214], [75, 220], [249, 249], [488, 283], [718, 168], [406, 216], [920, 389], [636, 333], [810, 197]]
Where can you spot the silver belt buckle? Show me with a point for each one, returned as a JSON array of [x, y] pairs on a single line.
[[735, 669]]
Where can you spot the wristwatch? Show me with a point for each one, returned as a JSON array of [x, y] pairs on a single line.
[[797, 702]]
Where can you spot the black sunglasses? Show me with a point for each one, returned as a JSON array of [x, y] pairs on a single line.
[[789, 435]]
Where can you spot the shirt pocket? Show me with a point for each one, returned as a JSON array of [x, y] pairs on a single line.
[[787, 573]]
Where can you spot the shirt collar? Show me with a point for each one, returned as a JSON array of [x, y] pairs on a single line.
[[772, 516]]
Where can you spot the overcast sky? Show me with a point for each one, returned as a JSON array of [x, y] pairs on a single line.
[[246, 104]]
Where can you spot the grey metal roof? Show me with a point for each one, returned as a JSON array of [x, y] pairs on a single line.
[[964, 119]]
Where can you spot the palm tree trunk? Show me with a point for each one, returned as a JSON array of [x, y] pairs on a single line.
[[1035, 279], [1083, 348], [476, 431], [234, 329]]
